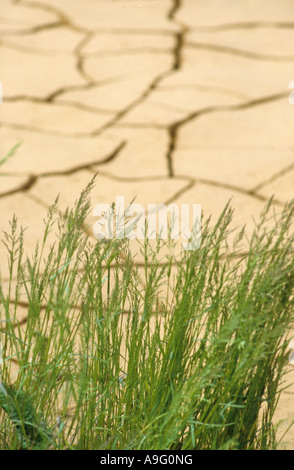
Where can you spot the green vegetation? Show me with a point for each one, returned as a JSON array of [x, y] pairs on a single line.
[[9, 155], [179, 353]]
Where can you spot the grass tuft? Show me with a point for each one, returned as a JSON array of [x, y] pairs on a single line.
[[184, 353]]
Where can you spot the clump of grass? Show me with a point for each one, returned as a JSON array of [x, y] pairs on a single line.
[[179, 354]]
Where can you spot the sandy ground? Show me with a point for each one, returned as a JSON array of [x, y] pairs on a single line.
[[183, 101]]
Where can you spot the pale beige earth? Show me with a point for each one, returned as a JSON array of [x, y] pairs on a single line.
[[183, 101]]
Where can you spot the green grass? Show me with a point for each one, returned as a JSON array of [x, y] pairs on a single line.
[[181, 353]]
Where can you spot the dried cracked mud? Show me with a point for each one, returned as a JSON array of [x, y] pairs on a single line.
[[183, 101]]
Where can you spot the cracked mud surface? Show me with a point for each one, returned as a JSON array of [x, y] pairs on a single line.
[[168, 100]]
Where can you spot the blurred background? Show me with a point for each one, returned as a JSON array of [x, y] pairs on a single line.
[[185, 101]]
